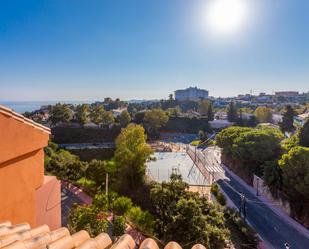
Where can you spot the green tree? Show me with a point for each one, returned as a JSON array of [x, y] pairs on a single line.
[[263, 114], [64, 165], [203, 106], [205, 109], [295, 178], [290, 142], [185, 217], [60, 113], [96, 114], [273, 177], [247, 149], [253, 148], [304, 134], [210, 113], [232, 115], [287, 120], [295, 171], [174, 112], [225, 138], [154, 119], [131, 154], [107, 118], [82, 113], [96, 171], [124, 118]]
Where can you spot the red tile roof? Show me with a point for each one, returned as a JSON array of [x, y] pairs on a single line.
[[21, 236]]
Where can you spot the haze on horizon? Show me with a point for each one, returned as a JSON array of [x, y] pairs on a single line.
[[142, 49]]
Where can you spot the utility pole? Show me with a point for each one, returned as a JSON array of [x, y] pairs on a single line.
[[241, 202], [106, 184], [245, 209], [257, 186], [242, 208]]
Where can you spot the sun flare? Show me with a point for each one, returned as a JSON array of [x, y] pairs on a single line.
[[226, 16]]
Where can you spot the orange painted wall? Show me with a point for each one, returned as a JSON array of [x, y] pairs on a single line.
[[18, 182], [21, 167]]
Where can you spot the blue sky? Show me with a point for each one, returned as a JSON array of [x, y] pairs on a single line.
[[145, 49]]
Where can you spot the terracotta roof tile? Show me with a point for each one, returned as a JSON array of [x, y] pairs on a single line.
[[5, 223], [22, 237], [149, 244], [198, 246], [125, 241], [80, 237], [172, 245]]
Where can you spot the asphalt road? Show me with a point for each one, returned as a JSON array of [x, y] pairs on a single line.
[[274, 230]]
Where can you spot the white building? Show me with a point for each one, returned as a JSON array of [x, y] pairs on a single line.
[[117, 112], [191, 93]]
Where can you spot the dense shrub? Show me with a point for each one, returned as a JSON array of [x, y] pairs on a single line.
[[119, 225], [215, 190], [88, 218], [143, 220], [242, 234], [101, 201], [122, 205], [89, 186]]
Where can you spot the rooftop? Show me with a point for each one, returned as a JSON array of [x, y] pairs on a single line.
[[22, 236], [10, 113]]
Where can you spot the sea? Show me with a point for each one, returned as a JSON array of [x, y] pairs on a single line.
[[29, 106]]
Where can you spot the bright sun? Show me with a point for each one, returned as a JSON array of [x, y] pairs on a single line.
[[226, 16]]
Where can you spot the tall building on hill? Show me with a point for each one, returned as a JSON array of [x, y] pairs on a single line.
[[287, 94], [191, 93]]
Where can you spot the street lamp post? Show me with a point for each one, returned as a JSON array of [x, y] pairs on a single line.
[[257, 186]]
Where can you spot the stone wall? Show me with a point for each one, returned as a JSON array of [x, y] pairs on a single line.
[[263, 190]]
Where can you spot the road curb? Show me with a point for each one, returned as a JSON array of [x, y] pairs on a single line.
[[276, 210]]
